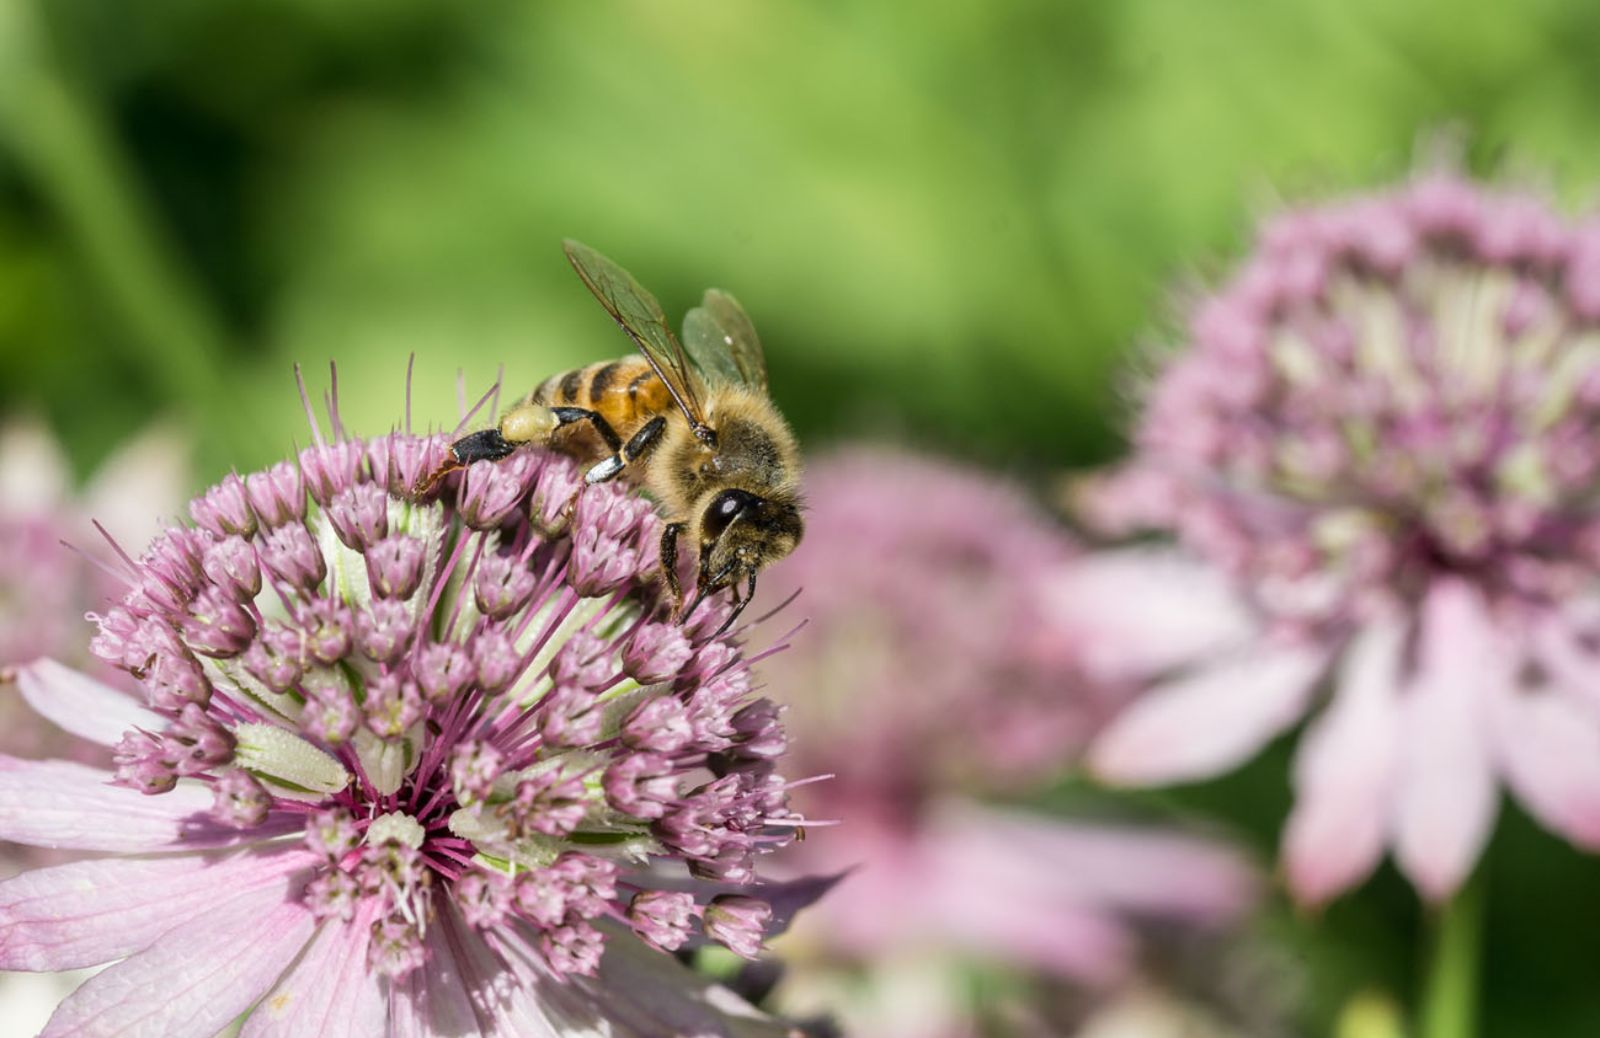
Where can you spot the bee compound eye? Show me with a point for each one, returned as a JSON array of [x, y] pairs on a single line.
[[725, 508]]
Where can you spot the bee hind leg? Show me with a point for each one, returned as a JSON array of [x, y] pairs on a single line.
[[487, 445], [638, 445]]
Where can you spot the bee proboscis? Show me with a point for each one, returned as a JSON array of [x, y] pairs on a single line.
[[689, 420]]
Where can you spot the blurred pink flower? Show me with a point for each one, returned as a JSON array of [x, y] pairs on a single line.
[[46, 586], [929, 676], [45, 589], [401, 766], [1379, 452]]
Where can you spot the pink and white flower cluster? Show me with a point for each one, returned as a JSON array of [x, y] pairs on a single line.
[[1378, 451], [402, 765]]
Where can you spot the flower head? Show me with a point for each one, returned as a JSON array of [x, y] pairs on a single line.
[[465, 763], [1382, 441], [931, 674]]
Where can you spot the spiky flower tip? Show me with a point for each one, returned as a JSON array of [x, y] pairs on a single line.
[[465, 748], [1385, 433]]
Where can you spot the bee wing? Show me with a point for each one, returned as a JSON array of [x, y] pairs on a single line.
[[722, 341], [636, 312]]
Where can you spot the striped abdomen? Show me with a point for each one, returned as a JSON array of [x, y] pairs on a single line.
[[626, 392]]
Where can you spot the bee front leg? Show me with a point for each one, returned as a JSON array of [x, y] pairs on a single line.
[[739, 603], [669, 562], [638, 445]]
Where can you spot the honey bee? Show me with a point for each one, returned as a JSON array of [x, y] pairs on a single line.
[[689, 421]]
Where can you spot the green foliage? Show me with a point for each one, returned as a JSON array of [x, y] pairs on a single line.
[[936, 211]]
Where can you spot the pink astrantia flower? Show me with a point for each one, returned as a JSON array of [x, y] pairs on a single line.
[[1379, 451], [401, 766], [928, 676]]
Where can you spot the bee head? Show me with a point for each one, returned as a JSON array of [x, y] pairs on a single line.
[[740, 532]]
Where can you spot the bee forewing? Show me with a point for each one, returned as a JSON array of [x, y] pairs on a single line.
[[637, 313]]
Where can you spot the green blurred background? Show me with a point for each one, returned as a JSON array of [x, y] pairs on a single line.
[[951, 220]]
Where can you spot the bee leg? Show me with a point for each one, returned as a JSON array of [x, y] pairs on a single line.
[[528, 423], [669, 562], [608, 435], [638, 445], [739, 604], [487, 445]]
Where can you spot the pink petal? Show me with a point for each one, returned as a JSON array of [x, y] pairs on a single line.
[[1083, 941], [1018, 915], [509, 994], [1447, 796], [330, 992], [643, 993], [1138, 613], [1203, 724], [81, 705], [64, 805], [1562, 651], [92, 912], [1166, 874], [434, 1001], [195, 979], [1549, 748], [1344, 772], [506, 995]]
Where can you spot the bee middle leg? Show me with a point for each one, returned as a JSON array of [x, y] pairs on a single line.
[[638, 445]]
